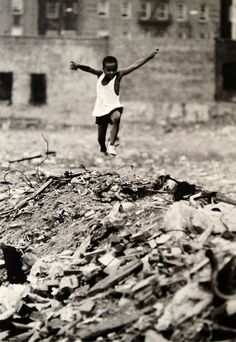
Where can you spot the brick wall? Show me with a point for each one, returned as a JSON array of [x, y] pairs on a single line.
[[180, 78], [30, 19], [69, 93], [179, 84], [182, 72], [5, 18]]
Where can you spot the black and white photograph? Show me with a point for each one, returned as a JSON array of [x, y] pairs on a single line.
[[117, 170]]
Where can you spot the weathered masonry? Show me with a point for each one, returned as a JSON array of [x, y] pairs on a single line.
[[226, 53], [170, 18], [195, 67]]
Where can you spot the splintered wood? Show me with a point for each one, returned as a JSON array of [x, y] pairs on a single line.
[[99, 257]]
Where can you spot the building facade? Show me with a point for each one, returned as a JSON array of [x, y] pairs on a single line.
[[160, 18], [38, 38]]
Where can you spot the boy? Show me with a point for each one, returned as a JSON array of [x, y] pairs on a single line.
[[108, 108]]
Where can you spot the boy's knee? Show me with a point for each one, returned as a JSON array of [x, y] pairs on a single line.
[[116, 117]]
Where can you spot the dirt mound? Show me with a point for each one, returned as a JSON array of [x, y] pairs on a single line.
[[64, 208]]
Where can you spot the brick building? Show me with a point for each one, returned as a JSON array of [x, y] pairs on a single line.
[[38, 38], [163, 18]]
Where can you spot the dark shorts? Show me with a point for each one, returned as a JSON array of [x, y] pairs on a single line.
[[106, 119]]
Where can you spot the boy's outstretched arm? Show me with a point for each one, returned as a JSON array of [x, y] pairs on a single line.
[[85, 68], [138, 64]]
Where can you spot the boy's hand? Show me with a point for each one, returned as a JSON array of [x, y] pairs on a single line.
[[155, 53], [73, 66]]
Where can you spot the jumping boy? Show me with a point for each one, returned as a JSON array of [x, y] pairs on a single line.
[[108, 108]]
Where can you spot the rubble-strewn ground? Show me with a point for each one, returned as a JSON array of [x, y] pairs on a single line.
[[204, 155], [120, 262]]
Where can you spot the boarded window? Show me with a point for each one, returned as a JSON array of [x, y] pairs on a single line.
[[6, 80], [229, 76], [38, 89]]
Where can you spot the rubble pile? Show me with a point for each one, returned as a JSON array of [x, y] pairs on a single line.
[[96, 256]]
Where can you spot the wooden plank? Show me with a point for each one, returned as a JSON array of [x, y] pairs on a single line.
[[109, 281], [107, 326]]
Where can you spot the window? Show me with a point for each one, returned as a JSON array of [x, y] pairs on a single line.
[[203, 12], [17, 7], [52, 10], [6, 80], [229, 76], [52, 15], [182, 35], [38, 87], [16, 28], [70, 13], [145, 10], [202, 35], [16, 21], [181, 12], [17, 10], [103, 8], [61, 15], [126, 8], [162, 12]]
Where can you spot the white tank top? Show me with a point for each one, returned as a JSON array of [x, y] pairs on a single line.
[[107, 100]]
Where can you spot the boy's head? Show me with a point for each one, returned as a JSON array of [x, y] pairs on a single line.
[[110, 65]]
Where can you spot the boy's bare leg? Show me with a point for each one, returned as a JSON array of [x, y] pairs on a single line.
[[102, 131], [115, 117]]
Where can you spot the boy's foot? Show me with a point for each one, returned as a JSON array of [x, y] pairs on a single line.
[[111, 150], [103, 150]]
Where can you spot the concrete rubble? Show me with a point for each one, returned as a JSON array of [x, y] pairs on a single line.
[[150, 259]]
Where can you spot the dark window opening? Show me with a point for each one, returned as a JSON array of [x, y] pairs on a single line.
[[229, 76], [38, 89], [16, 20], [225, 22], [202, 35], [6, 80]]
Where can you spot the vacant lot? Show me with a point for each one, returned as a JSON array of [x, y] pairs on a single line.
[[202, 155]]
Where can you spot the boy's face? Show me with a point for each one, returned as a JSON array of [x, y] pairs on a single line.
[[110, 69]]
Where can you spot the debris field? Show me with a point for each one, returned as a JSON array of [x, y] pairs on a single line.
[[99, 256]]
